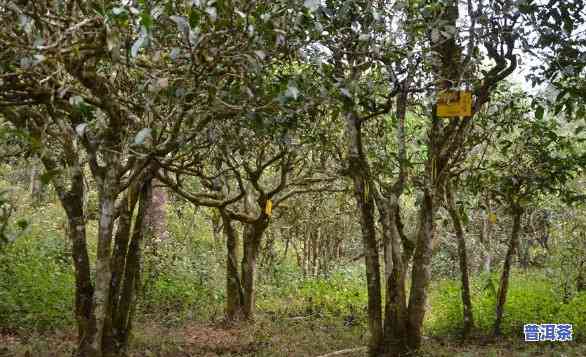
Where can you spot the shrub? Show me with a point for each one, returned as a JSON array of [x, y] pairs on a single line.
[[36, 284]]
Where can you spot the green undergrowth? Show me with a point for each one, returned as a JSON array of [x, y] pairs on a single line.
[[339, 294], [36, 277], [531, 299]]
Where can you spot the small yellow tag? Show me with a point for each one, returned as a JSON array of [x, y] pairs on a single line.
[[269, 208], [454, 103], [492, 218]]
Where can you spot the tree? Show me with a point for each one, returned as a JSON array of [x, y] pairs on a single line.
[[535, 160], [364, 60], [250, 176]]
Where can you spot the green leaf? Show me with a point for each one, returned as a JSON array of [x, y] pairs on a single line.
[[539, 112], [146, 20]]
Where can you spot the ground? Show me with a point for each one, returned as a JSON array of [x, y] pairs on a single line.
[[271, 337]]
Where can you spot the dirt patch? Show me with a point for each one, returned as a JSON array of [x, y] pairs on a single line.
[[219, 339]]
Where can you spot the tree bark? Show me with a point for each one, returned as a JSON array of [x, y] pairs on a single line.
[[35, 182], [463, 258], [358, 170], [580, 280], [122, 236], [158, 212], [517, 212], [252, 237], [103, 265], [141, 229], [395, 316], [485, 240], [234, 293], [443, 141], [72, 202], [421, 271]]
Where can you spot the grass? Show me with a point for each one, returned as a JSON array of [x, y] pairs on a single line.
[[532, 298]]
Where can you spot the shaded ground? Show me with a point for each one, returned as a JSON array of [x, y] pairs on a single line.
[[285, 337]]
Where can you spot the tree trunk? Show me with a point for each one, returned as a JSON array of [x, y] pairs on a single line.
[[119, 256], [103, 268], [504, 282], [442, 143], [485, 237], [35, 181], [580, 279], [72, 202], [358, 170], [141, 229], [421, 271], [466, 300], [395, 317], [252, 237], [234, 293], [158, 212], [216, 227]]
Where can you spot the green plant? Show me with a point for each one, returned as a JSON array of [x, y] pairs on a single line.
[[36, 284]]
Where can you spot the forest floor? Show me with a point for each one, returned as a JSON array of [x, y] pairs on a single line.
[[272, 337]]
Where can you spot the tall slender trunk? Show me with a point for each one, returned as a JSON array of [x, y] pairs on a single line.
[[463, 257], [103, 268], [358, 170], [234, 293], [395, 316], [517, 212], [72, 202], [580, 279], [35, 182], [398, 249], [442, 142], [141, 229], [118, 264], [252, 237], [421, 271], [485, 236], [216, 227], [306, 250]]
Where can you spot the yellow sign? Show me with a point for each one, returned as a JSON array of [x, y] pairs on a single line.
[[269, 208], [492, 218], [453, 103]]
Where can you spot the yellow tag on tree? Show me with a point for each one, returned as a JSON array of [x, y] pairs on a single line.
[[492, 217], [454, 103], [269, 208]]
